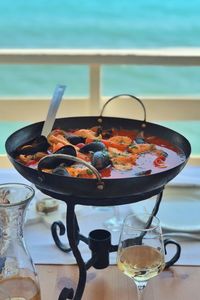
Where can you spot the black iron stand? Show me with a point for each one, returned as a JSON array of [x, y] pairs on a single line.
[[99, 242]]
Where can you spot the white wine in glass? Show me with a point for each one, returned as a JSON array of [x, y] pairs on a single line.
[[141, 249]]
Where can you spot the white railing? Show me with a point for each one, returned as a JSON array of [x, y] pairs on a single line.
[[158, 108]]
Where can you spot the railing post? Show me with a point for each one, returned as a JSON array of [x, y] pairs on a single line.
[[95, 89]]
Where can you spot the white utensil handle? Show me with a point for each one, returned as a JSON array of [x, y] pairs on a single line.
[[55, 102]]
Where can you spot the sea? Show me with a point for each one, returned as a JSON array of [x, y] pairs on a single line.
[[102, 24], [91, 24]]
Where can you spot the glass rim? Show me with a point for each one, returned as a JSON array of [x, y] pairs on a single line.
[[139, 227], [18, 184]]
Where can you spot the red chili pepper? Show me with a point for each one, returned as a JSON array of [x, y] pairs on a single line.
[[159, 162], [162, 157], [106, 172]]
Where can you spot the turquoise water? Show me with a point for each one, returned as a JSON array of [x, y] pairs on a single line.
[[99, 24]]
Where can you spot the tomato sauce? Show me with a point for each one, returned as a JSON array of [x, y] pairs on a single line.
[[125, 153]]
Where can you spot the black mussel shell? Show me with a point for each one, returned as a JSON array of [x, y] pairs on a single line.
[[108, 133], [93, 147], [60, 170], [140, 140], [51, 162], [144, 173], [38, 144], [163, 153], [67, 149], [99, 130], [101, 160], [74, 139]]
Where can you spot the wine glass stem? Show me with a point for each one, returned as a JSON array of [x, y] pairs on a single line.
[[140, 288], [139, 294]]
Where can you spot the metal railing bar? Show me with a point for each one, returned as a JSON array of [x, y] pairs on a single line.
[[165, 56]]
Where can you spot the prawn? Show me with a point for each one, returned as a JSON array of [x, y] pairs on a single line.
[[81, 172], [120, 139], [86, 133], [141, 148], [124, 162]]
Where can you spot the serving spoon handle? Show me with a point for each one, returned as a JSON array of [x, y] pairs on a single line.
[[54, 104]]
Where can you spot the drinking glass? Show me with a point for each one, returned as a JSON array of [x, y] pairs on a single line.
[[17, 272], [141, 249]]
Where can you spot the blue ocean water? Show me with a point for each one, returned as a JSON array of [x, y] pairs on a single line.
[[99, 24]]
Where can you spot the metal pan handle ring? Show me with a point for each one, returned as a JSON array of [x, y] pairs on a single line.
[[124, 95], [100, 183]]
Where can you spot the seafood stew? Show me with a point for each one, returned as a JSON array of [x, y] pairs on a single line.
[[114, 152], [122, 189]]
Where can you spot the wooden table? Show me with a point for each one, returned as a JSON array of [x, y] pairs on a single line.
[[177, 283]]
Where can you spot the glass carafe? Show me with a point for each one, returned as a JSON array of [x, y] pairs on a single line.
[[18, 278]]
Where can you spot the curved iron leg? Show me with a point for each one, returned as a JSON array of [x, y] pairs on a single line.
[[72, 233], [59, 225], [157, 204]]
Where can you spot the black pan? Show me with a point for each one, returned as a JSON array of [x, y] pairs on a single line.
[[99, 191]]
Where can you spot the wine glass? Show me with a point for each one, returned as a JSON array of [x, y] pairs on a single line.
[[141, 249]]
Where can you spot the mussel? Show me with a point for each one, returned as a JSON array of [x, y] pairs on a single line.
[[144, 173], [93, 147], [67, 149], [75, 139], [38, 144], [164, 153], [51, 162], [101, 160], [108, 133], [140, 140], [60, 170]]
